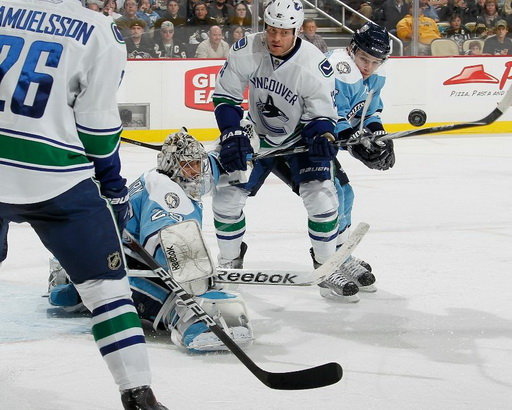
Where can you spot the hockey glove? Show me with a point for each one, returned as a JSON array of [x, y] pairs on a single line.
[[120, 203], [235, 146], [374, 154], [320, 148]]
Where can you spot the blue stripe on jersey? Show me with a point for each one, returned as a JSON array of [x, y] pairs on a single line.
[[121, 344], [107, 307]]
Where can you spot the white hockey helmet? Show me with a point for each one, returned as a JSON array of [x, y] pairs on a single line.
[[284, 14], [185, 161]]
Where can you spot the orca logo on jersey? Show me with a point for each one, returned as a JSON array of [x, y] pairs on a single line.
[[266, 110], [114, 261]]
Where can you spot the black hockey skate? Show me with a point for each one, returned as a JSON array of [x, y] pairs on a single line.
[[337, 287], [140, 398]]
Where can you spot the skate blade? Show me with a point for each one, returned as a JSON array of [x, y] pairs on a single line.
[[330, 295]]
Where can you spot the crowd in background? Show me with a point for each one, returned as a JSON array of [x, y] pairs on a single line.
[[206, 29]]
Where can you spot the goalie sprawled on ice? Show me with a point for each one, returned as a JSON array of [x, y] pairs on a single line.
[[167, 212]]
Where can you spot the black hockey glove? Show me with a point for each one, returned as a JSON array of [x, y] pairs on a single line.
[[120, 203], [235, 146], [374, 154], [320, 148]]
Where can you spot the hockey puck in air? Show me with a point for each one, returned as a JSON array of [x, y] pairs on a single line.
[[417, 118]]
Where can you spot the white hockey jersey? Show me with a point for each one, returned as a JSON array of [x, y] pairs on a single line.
[[61, 67], [352, 91], [284, 94]]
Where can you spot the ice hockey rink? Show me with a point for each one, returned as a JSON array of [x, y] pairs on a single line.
[[436, 335]]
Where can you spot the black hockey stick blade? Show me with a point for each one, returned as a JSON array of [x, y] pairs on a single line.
[[310, 378], [142, 144], [503, 106]]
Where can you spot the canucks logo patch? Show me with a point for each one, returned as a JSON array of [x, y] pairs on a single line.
[[117, 34], [240, 44], [326, 68]]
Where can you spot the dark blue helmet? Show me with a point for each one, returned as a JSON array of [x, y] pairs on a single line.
[[372, 39]]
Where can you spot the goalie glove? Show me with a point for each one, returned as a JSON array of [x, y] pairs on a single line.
[[320, 147], [364, 146], [235, 147]]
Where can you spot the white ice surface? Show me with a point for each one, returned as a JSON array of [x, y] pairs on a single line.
[[436, 335]]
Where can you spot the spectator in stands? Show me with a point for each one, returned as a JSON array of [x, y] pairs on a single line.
[[391, 12], [252, 10], [242, 17], [139, 44], [466, 9], [110, 9], [198, 27], [486, 22], [309, 28], [160, 6], [457, 32], [173, 13], [125, 21], [428, 10], [363, 7], [475, 48], [146, 13], [499, 44], [235, 33], [165, 45], [221, 11], [95, 5], [214, 46], [427, 31]]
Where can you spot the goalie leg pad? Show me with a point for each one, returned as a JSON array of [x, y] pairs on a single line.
[[227, 309]]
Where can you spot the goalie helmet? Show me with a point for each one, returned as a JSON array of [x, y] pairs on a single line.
[[285, 14], [372, 39], [185, 161]]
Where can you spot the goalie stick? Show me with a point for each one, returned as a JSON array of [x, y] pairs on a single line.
[[283, 277], [310, 378]]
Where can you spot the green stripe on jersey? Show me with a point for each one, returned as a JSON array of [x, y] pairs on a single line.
[[115, 325], [225, 227], [322, 226], [38, 153], [99, 145], [217, 101]]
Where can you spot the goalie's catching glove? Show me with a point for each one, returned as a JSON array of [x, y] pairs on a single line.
[[120, 203], [320, 147], [235, 146], [375, 154]]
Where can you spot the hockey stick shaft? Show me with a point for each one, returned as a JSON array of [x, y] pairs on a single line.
[[310, 378], [503, 106], [277, 277], [142, 144]]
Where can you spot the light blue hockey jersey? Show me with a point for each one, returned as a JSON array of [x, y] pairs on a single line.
[[352, 90], [157, 202]]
